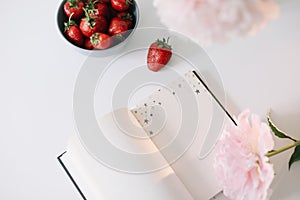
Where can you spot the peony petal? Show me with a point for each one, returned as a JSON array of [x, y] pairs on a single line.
[[207, 21], [240, 164]]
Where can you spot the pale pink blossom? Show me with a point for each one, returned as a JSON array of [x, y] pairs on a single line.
[[244, 171], [207, 21]]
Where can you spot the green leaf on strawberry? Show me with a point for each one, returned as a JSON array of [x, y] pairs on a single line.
[[129, 2], [72, 31], [164, 43], [70, 23], [72, 3]]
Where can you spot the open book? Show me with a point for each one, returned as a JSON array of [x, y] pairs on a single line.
[[175, 128]]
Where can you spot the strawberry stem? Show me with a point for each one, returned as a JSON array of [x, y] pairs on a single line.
[[72, 3], [164, 43], [94, 39], [90, 6], [127, 16], [129, 2], [70, 18], [69, 23], [89, 19]]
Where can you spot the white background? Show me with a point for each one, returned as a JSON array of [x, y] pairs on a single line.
[[38, 72]]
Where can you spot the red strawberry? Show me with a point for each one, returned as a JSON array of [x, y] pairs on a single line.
[[101, 41], [74, 6], [88, 45], [73, 32], [127, 17], [90, 25], [121, 5], [159, 54], [118, 25], [96, 9]]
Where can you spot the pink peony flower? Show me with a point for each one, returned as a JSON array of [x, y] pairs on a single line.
[[240, 163], [207, 21]]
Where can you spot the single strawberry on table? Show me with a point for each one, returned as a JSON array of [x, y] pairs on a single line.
[[121, 5], [101, 41], [75, 7], [73, 32], [90, 25], [159, 54]]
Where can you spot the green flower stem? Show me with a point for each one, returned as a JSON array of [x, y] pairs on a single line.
[[282, 149]]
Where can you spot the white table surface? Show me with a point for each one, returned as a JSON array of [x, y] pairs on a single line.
[[38, 72]]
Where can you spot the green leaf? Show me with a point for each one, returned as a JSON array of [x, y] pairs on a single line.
[[295, 156], [129, 2], [278, 132]]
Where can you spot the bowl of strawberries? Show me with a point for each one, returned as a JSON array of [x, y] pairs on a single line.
[[100, 27]]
